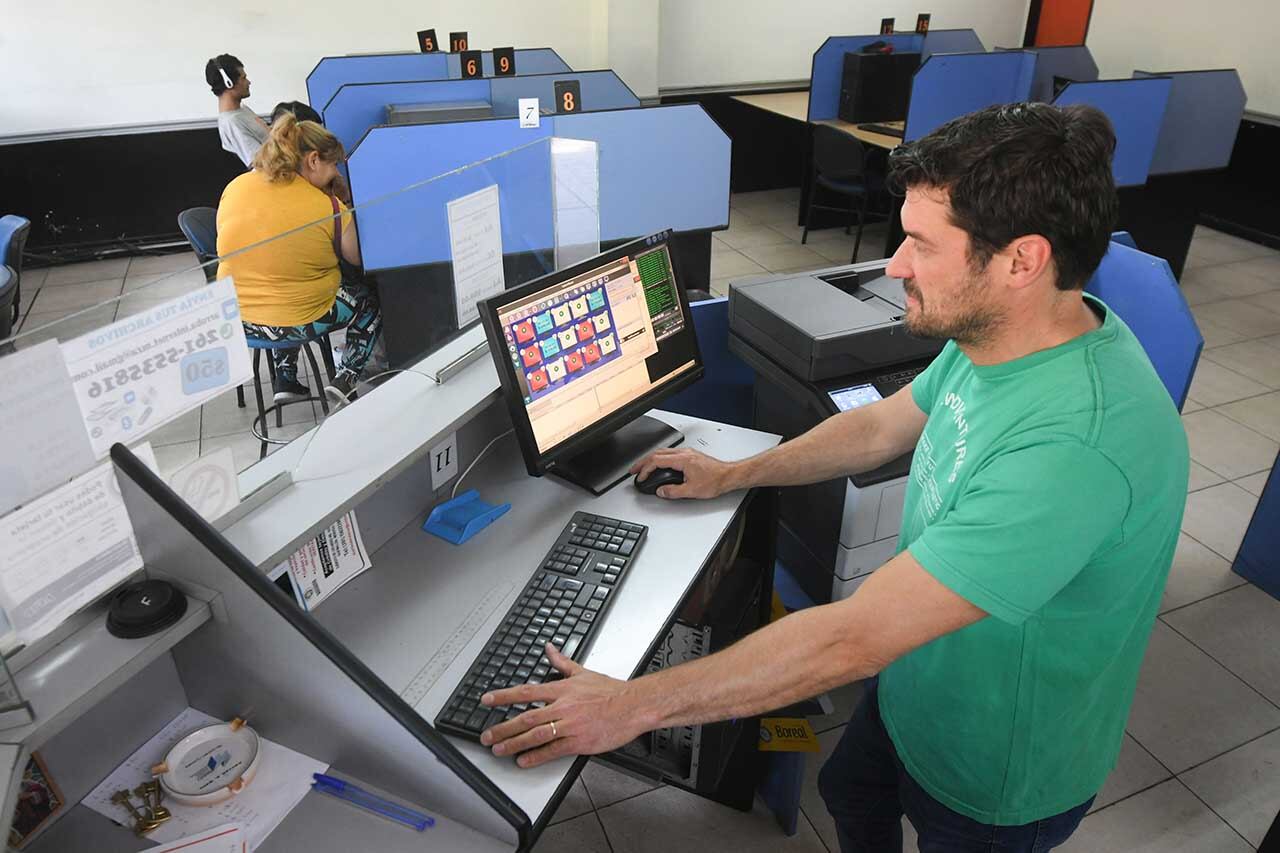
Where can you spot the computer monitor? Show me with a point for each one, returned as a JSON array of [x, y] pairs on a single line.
[[585, 351]]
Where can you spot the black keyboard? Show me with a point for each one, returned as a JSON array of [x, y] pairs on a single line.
[[885, 129], [899, 379], [562, 603]]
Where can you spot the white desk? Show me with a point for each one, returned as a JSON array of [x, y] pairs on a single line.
[[422, 588]]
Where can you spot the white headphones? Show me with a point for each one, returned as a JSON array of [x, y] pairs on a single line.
[[225, 79]]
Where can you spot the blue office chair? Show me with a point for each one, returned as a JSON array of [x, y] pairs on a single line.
[[1141, 289], [200, 226], [13, 240], [838, 166]]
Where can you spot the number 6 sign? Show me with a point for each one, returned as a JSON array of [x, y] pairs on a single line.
[[471, 64]]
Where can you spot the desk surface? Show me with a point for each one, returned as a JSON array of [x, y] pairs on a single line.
[[423, 589], [795, 105]]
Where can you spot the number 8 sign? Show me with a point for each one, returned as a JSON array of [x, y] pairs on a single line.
[[568, 96]]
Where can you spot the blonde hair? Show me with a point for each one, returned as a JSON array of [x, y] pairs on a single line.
[[281, 155]]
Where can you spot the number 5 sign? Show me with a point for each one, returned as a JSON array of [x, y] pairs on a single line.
[[568, 96], [427, 42]]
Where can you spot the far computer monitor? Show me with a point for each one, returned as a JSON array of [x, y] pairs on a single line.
[[585, 351], [876, 87]]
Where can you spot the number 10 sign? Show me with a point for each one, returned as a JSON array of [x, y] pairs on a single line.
[[143, 371]]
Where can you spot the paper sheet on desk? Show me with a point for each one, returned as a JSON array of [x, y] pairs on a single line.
[[283, 779], [226, 838]]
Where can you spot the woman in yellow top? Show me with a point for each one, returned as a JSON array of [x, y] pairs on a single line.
[[291, 288]]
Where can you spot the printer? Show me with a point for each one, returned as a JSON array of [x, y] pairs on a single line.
[[820, 343]]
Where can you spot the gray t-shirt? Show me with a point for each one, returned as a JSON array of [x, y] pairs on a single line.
[[242, 133]]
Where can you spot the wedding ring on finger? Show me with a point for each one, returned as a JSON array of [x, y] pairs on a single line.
[[554, 733]]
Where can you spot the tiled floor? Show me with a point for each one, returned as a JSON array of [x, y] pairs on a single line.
[[1200, 769]]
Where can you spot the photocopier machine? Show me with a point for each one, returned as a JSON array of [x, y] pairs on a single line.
[[820, 343]]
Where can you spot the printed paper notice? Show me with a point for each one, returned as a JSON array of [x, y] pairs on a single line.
[[41, 428], [530, 115], [282, 780], [141, 372], [60, 552], [324, 564], [475, 239]]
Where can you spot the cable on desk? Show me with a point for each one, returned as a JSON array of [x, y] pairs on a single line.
[[467, 471]]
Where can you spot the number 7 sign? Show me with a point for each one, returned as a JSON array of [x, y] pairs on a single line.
[[529, 114]]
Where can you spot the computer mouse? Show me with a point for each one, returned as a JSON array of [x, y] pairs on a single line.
[[657, 478]]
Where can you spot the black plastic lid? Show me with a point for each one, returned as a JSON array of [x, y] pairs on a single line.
[[145, 607]]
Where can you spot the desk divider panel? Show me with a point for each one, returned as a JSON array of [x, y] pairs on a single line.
[[1074, 62], [947, 86], [1136, 109], [950, 41], [1200, 122], [660, 167], [356, 107], [306, 690], [828, 68], [332, 72]]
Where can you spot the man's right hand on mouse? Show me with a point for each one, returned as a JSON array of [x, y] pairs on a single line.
[[704, 477]]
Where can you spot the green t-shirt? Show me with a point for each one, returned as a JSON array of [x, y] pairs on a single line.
[[1048, 491]]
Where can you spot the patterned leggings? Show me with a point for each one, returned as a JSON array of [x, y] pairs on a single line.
[[356, 308]]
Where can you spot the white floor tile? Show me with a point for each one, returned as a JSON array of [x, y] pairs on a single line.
[[575, 803], [668, 819], [1217, 335], [90, 271], [182, 429], [1242, 786], [1214, 384], [1267, 266], [1135, 771], [1197, 573], [580, 835], [161, 264], [608, 786], [1253, 359], [1201, 478], [1226, 447], [73, 297], [786, 256], [1241, 630], [733, 265], [1261, 414], [33, 278], [751, 236], [1240, 316], [1188, 708], [223, 417], [1218, 517], [166, 284], [1190, 406], [38, 327], [1199, 285], [171, 457], [1165, 819], [1231, 281], [1254, 482]]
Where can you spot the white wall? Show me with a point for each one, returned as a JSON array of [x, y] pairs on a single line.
[[633, 37], [722, 42], [71, 64], [1185, 35]]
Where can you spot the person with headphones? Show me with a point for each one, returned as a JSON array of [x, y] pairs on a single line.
[[241, 130]]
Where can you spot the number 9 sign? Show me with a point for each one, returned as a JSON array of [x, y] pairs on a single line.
[[504, 61]]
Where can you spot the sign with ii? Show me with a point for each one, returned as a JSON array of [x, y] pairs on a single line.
[[427, 42], [568, 96], [472, 66]]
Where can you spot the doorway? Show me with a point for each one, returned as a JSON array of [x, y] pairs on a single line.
[[1057, 22]]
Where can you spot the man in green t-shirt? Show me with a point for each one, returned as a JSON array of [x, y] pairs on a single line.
[[1042, 509]]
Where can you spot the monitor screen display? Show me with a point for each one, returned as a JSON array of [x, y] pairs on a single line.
[[855, 397], [586, 346]]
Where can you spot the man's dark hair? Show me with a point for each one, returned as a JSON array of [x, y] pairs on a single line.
[[226, 62], [1022, 169], [298, 110]]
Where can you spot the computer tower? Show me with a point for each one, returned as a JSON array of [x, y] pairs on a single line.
[[876, 86]]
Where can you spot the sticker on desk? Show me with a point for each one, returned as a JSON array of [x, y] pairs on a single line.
[[318, 569], [139, 373], [787, 734], [529, 114]]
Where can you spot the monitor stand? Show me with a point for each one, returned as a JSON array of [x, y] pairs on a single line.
[[602, 466]]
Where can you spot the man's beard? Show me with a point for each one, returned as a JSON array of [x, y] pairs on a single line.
[[971, 323]]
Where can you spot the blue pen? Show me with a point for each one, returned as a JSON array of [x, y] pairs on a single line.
[[335, 787]]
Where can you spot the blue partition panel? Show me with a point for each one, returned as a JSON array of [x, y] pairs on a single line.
[[356, 107], [950, 41], [1259, 556], [1073, 62], [660, 167], [333, 71], [601, 90], [1136, 109], [828, 68], [950, 85], [1200, 121]]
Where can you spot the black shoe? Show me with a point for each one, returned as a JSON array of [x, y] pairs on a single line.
[[339, 390], [288, 391]]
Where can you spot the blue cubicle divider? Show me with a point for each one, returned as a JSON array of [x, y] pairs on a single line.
[[1200, 121], [726, 391], [950, 41], [659, 167], [950, 85], [828, 68], [1072, 62], [333, 71], [1259, 556], [356, 107], [1136, 109]]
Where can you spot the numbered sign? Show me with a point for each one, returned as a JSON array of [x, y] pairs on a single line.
[[457, 42], [530, 116], [886, 26], [427, 42], [568, 96], [922, 23], [471, 64], [504, 61]]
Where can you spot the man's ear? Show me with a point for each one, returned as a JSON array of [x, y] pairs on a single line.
[[1029, 258]]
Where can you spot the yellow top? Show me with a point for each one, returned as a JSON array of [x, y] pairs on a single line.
[[291, 280]]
